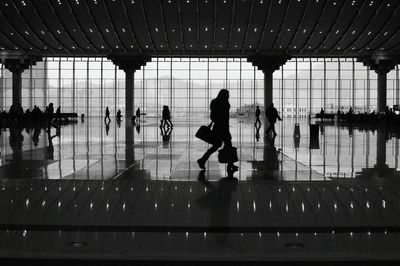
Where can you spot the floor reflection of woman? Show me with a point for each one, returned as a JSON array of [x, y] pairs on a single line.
[[220, 117]]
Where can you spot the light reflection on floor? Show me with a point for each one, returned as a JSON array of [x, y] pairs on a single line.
[[90, 150]]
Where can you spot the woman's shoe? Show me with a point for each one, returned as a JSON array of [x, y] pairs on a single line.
[[201, 164]]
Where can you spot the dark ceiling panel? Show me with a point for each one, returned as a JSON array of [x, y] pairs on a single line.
[[88, 26], [14, 18], [99, 12], [12, 34], [206, 18], [72, 27], [117, 12], [156, 25], [382, 40], [342, 25], [274, 24], [240, 24], [6, 44], [223, 24], [295, 12], [189, 24], [356, 30], [172, 20], [374, 28], [200, 27], [54, 29], [258, 16], [310, 20], [329, 17], [138, 21]]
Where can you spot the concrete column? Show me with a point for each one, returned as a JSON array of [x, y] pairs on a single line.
[[129, 64], [381, 64], [268, 64], [129, 92], [16, 63], [382, 89], [268, 90], [16, 86]]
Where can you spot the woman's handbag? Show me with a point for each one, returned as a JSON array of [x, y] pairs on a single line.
[[205, 133], [228, 155]]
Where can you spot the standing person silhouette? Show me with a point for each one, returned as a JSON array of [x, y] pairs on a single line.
[[166, 117], [107, 115], [258, 112], [272, 115], [137, 115], [220, 118]]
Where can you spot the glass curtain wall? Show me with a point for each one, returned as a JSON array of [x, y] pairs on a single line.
[[302, 86]]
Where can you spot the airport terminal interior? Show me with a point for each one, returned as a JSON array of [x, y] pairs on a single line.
[[93, 173]]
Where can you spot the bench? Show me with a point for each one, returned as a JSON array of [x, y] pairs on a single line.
[[325, 116]]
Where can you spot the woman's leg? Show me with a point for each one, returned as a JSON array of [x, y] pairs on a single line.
[[202, 161]]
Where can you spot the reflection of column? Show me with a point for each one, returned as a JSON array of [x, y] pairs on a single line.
[[382, 64], [380, 149], [129, 143], [268, 64], [129, 64]]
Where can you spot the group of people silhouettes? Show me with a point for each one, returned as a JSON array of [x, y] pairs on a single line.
[[219, 115]]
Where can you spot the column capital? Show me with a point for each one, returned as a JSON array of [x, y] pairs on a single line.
[[129, 63], [18, 63], [268, 62], [381, 64]]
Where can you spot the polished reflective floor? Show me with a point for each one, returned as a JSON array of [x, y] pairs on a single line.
[[111, 191], [93, 150]]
